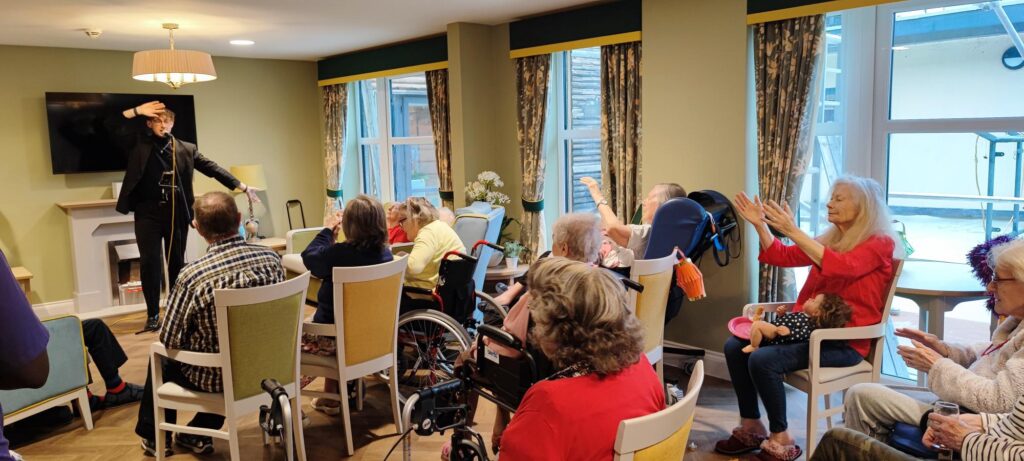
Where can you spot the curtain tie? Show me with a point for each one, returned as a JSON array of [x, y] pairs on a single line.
[[533, 206], [447, 195], [334, 193]]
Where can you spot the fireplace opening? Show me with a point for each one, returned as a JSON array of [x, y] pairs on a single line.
[[126, 283]]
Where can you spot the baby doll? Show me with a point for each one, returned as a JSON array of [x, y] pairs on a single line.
[[821, 311]]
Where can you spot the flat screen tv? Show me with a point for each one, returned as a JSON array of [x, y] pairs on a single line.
[[81, 139]]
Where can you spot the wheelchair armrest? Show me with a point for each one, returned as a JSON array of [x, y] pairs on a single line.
[[500, 336], [487, 299], [417, 290], [633, 285]]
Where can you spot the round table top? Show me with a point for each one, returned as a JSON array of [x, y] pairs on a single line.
[[938, 278], [502, 272]]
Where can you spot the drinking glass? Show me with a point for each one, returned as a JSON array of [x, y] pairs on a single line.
[[946, 409]]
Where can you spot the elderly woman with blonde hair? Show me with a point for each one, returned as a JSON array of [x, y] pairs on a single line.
[[853, 259], [585, 327], [986, 377], [432, 239]]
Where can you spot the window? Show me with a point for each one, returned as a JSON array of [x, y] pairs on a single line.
[[942, 132], [576, 83], [396, 144]]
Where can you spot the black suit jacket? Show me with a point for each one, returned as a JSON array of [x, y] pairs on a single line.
[[140, 149]]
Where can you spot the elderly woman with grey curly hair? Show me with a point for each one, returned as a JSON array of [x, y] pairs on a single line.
[[583, 324]]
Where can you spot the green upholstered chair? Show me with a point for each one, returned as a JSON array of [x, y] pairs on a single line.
[[366, 300], [296, 241], [66, 382], [661, 436], [259, 332]]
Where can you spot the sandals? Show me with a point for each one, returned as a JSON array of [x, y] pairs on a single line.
[[774, 451], [740, 442]]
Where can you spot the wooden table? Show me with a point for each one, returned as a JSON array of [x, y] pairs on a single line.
[[502, 273], [937, 287], [277, 244], [24, 278]]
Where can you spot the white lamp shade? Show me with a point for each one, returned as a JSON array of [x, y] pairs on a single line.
[[173, 67]]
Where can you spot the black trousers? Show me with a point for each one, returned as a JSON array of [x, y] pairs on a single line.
[[104, 349], [145, 427], [153, 224]]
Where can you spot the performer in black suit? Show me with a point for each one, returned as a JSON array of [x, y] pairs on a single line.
[[158, 188]]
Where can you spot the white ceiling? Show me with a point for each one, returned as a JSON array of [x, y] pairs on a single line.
[[282, 29]]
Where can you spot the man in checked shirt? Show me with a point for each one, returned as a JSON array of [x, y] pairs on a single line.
[[191, 324]]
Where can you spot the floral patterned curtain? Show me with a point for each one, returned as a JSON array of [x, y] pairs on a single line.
[[620, 125], [786, 54], [437, 99], [334, 104], [532, 85]]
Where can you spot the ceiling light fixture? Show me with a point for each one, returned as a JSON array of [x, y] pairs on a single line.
[[242, 42], [173, 67]]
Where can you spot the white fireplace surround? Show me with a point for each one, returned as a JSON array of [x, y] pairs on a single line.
[[92, 225]]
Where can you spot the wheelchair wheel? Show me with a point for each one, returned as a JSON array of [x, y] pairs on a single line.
[[467, 450], [428, 344]]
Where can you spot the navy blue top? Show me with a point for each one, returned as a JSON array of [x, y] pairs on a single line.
[[323, 255]]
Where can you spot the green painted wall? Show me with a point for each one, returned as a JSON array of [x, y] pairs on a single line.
[[257, 111], [483, 109], [695, 133]]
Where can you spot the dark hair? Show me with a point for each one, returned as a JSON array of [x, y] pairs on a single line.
[[217, 215], [364, 223], [834, 312]]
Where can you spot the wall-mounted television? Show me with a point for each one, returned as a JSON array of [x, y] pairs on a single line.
[[81, 137]]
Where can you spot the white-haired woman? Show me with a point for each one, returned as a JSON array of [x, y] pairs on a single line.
[[631, 238], [986, 377], [852, 259], [576, 236]]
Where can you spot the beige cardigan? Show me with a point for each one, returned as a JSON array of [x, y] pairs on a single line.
[[990, 383]]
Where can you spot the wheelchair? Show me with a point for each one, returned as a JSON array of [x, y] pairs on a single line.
[[433, 334], [501, 379]]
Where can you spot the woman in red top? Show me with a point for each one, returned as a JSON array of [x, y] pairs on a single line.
[[395, 215], [583, 325], [853, 258]]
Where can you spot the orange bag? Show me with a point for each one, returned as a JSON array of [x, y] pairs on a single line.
[[689, 278]]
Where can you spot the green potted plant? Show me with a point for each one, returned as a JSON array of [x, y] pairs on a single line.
[[512, 251]]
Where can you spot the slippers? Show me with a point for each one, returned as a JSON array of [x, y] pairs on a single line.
[[774, 451]]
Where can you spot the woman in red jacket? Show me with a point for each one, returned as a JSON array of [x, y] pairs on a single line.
[[853, 258], [582, 324]]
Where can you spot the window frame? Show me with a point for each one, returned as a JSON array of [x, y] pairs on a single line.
[[883, 124], [385, 142]]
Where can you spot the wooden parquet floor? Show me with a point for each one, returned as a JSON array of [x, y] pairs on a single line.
[[113, 437]]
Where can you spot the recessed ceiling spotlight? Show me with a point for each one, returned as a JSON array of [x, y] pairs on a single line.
[[242, 42]]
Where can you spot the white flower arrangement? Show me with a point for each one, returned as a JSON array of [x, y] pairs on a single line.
[[483, 189]]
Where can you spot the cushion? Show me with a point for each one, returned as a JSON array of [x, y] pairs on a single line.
[[66, 352]]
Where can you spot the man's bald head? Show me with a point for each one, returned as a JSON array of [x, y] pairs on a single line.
[[216, 216]]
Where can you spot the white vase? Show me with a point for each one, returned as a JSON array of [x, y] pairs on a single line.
[[512, 263]]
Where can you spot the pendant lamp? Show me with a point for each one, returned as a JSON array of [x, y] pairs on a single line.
[[173, 67]]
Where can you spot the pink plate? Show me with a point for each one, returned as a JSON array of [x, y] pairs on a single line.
[[740, 326]]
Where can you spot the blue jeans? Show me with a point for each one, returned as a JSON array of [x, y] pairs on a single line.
[[761, 373]]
